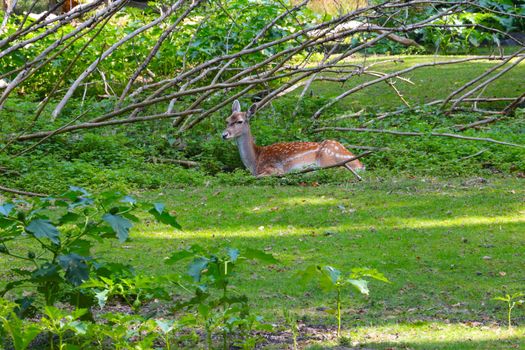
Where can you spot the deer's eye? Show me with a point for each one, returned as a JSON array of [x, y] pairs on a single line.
[[239, 122]]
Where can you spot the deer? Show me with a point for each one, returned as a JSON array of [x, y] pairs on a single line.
[[283, 158]]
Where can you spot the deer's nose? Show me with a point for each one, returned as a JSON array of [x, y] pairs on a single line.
[[225, 135]]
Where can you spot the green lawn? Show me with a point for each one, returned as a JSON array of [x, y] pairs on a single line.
[[427, 83], [447, 247]]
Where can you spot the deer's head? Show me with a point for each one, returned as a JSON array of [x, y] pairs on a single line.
[[237, 124]]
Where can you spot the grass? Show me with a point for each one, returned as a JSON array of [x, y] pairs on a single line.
[[113, 157], [429, 83], [447, 247]]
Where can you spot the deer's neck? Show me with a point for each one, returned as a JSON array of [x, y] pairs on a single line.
[[248, 151]]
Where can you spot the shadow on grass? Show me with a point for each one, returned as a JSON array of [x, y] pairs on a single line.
[[424, 335], [466, 344], [235, 210], [446, 253]]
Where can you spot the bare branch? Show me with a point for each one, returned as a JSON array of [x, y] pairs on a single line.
[[23, 193], [413, 133]]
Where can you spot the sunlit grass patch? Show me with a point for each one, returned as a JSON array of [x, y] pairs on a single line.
[[447, 248], [432, 335]]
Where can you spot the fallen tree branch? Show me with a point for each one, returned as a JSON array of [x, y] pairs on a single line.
[[478, 123], [433, 103], [512, 106], [472, 155], [62, 130], [23, 193], [183, 162], [318, 113], [413, 133]]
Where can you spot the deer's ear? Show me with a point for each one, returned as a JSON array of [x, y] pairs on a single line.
[[236, 107], [251, 111]]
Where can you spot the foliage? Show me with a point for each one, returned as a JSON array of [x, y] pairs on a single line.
[[423, 224], [330, 279], [463, 32], [463, 35], [212, 271], [291, 322], [59, 234], [129, 288], [104, 160], [512, 301], [21, 333], [59, 322], [195, 41]]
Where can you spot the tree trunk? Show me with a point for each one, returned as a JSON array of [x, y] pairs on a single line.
[[5, 4]]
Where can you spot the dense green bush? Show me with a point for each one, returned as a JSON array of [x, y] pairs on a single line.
[[207, 33], [137, 156]]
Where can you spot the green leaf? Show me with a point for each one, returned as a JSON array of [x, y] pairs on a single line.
[[307, 275], [260, 255], [366, 272], [128, 199], [204, 310], [41, 228], [47, 272], [165, 326], [68, 217], [120, 225], [21, 272], [163, 216], [79, 327], [6, 208], [159, 207], [177, 256], [108, 198], [233, 254], [360, 285], [21, 333], [196, 267], [506, 299], [77, 313], [76, 268], [6, 222], [81, 247], [333, 273], [102, 297], [12, 285], [131, 217]]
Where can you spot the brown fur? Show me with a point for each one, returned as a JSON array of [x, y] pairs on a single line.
[[281, 158]]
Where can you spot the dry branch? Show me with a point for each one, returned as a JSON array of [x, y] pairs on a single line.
[[188, 92], [414, 133], [23, 193]]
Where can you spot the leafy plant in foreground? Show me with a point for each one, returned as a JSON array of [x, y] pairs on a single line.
[[20, 332], [291, 322], [53, 236], [58, 322], [330, 279], [132, 289], [211, 272], [512, 301], [169, 326]]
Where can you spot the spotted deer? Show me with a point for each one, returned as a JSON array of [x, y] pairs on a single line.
[[282, 158]]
